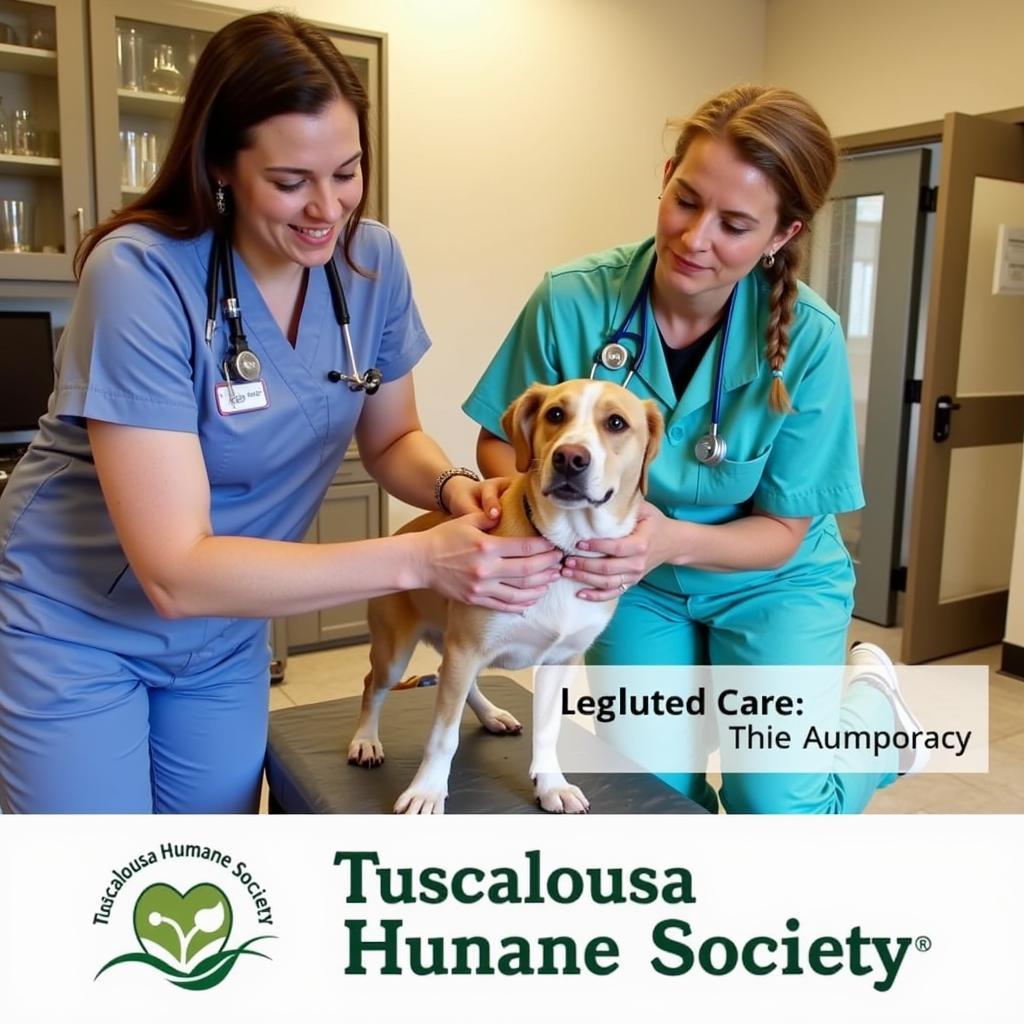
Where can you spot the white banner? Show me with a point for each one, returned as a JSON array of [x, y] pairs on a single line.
[[510, 918], [764, 718]]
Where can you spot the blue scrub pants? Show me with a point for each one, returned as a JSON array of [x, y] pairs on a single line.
[[83, 730], [791, 619]]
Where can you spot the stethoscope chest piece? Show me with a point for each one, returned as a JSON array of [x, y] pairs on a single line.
[[368, 382], [614, 356], [245, 365], [710, 449]]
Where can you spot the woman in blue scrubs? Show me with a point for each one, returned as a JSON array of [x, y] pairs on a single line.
[[739, 563], [155, 522]]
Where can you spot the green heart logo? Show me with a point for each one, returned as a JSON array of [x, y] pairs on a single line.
[[176, 927]]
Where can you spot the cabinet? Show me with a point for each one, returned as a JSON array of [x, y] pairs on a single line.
[[47, 186], [130, 44], [134, 43], [78, 169], [352, 510]]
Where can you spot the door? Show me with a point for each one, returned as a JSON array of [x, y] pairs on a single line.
[[866, 263], [972, 413], [350, 512]]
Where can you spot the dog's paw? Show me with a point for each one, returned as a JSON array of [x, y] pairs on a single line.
[[558, 796], [421, 801], [501, 722], [568, 800], [366, 752]]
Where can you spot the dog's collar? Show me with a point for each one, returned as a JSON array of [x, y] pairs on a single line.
[[528, 512]]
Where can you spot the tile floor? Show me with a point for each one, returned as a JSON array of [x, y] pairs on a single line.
[[331, 674]]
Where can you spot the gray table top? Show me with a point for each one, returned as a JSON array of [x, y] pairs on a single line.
[[308, 772]]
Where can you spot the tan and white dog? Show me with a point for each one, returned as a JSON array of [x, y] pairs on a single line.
[[582, 452]]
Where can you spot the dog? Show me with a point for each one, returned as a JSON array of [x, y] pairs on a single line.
[[582, 451]]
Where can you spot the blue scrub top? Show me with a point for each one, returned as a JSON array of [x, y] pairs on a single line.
[[134, 353], [801, 464]]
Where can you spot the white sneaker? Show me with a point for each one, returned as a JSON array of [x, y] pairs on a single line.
[[878, 670]]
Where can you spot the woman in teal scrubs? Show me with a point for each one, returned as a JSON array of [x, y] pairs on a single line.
[[154, 524], [739, 563]]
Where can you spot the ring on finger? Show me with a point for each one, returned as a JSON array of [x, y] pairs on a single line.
[[623, 585]]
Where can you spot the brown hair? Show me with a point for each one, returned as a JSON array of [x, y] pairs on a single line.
[[254, 68], [783, 136]]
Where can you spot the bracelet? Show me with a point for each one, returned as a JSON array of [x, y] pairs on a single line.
[[444, 478]]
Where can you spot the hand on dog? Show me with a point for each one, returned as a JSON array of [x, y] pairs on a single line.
[[628, 559], [466, 496], [505, 574]]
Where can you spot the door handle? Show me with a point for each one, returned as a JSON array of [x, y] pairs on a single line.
[[944, 409], [81, 225]]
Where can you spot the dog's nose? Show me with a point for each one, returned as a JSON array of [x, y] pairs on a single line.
[[570, 459]]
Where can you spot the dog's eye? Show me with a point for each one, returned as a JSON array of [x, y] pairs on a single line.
[[554, 415], [616, 424]]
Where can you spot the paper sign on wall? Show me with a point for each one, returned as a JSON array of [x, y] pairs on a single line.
[[1009, 269]]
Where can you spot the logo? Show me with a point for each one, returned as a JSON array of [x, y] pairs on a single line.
[[186, 935]]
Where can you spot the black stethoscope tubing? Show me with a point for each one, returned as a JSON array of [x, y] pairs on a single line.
[[710, 449], [241, 362], [369, 381]]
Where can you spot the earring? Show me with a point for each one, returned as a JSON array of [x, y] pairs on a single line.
[[768, 260], [221, 198]]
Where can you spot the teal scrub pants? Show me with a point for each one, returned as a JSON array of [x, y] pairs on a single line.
[[790, 619], [83, 730]]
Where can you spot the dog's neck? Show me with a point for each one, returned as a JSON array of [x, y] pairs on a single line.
[[570, 526], [528, 512]]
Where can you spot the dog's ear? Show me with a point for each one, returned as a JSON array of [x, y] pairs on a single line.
[[655, 430], [518, 423]]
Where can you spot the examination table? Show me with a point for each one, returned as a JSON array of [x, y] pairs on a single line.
[[308, 773]]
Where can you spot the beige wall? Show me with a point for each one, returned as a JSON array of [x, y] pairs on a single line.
[[523, 133], [884, 63]]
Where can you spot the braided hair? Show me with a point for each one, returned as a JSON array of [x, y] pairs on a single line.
[[784, 137]]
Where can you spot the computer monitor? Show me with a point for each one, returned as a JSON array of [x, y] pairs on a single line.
[[26, 374]]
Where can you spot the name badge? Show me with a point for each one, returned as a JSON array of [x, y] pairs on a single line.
[[249, 396]]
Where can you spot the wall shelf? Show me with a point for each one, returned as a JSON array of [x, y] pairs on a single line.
[[148, 104], [19, 267], [26, 60], [34, 166]]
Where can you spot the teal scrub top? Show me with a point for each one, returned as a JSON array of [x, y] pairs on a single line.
[[800, 464]]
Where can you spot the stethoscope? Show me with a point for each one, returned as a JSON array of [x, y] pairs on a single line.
[[710, 449], [241, 363]]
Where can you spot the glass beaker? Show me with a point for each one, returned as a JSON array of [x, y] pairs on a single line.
[[15, 225], [129, 158], [24, 136], [147, 158], [42, 38], [164, 78], [130, 62], [191, 55], [6, 143]]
